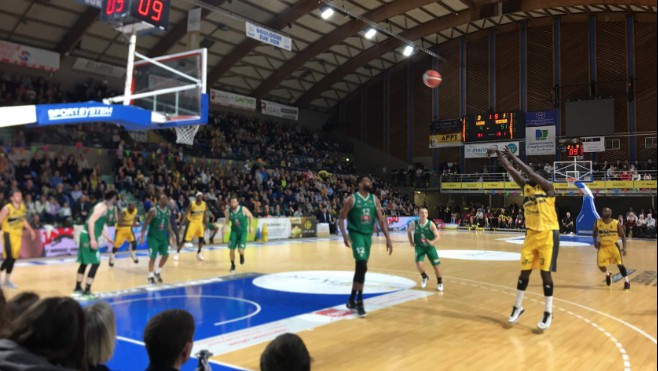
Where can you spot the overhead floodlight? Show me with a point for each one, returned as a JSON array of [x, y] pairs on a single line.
[[327, 13], [408, 50], [371, 33]]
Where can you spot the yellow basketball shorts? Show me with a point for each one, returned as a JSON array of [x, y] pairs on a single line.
[[193, 229], [11, 245], [608, 254], [540, 250], [123, 235]]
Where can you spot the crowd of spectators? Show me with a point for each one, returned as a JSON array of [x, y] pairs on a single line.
[[58, 334], [479, 216], [639, 224]]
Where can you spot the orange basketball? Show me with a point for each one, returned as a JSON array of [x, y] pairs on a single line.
[[432, 79]]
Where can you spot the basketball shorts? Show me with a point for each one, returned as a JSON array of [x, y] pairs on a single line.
[[123, 235], [237, 239], [540, 250], [157, 246], [360, 245], [193, 229], [87, 255], [11, 245], [430, 252], [608, 254]]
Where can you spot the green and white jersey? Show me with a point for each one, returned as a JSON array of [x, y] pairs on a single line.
[[239, 221], [100, 223], [159, 225], [361, 217], [423, 234]]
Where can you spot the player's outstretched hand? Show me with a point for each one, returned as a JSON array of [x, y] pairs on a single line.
[[347, 243], [491, 150], [597, 245], [389, 246], [506, 152], [94, 244]]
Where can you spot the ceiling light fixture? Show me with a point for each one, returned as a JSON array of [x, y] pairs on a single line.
[[408, 50], [371, 33], [327, 13]]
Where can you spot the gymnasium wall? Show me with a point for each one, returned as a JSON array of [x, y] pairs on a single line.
[[567, 58]]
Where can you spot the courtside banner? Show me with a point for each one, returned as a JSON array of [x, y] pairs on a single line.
[[267, 36], [479, 150], [224, 98], [275, 228], [27, 56], [303, 227], [279, 110]]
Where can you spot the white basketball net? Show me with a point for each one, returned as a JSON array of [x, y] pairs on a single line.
[[185, 134]]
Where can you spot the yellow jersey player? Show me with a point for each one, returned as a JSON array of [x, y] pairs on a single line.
[[12, 222], [607, 232], [124, 232], [197, 219], [542, 240]]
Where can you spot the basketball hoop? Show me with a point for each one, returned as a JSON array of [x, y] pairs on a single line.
[[571, 181], [185, 134]]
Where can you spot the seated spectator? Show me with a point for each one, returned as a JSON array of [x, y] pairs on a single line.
[[520, 220], [286, 353], [100, 334], [651, 226], [641, 225], [168, 338], [631, 225], [20, 303], [567, 224], [64, 215], [48, 336]]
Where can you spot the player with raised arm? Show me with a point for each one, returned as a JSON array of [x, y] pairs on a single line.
[[541, 244], [423, 236], [240, 218], [159, 231], [13, 220], [88, 252], [360, 209], [607, 231]]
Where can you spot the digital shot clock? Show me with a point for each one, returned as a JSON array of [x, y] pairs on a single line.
[[143, 13]]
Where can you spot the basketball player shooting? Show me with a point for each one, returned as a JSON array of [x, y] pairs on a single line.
[[541, 244]]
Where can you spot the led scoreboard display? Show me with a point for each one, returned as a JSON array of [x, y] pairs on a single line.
[[491, 127], [575, 149], [151, 12]]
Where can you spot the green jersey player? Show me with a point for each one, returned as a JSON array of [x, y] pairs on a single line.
[[423, 236], [159, 231]]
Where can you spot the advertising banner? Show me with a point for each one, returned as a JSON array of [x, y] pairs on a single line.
[[27, 56], [275, 228], [98, 68], [303, 227], [541, 118], [80, 113], [224, 98], [540, 140], [593, 144], [446, 140], [479, 150], [446, 126], [268, 37], [279, 110]]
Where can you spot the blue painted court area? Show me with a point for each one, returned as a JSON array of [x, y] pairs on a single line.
[[219, 308]]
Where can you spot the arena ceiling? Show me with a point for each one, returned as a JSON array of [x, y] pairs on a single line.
[[329, 58]]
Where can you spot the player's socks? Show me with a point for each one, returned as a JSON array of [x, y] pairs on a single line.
[[549, 304], [608, 278], [232, 266], [519, 298], [78, 287], [439, 281], [425, 278], [241, 259], [112, 260]]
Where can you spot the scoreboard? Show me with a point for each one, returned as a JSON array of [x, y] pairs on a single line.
[[154, 13], [492, 126], [575, 149]]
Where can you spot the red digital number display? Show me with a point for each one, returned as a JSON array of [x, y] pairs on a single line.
[[115, 7], [575, 150], [125, 12], [151, 9]]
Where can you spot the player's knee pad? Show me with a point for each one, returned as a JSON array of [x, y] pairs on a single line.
[[360, 271], [82, 268], [522, 284], [92, 270], [622, 270]]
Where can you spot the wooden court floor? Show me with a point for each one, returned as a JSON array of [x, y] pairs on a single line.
[[464, 328]]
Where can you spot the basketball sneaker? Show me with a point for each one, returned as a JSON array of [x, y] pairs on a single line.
[[439, 287], [351, 305], [423, 283], [87, 295], [546, 321], [232, 267], [151, 280], [608, 279], [627, 286], [241, 259], [360, 310], [134, 257], [111, 260], [8, 284], [158, 277], [176, 256], [76, 293], [199, 257], [515, 315]]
